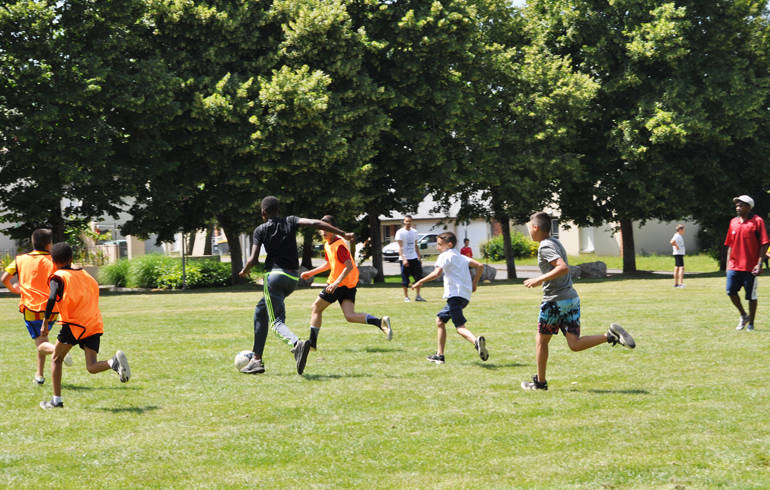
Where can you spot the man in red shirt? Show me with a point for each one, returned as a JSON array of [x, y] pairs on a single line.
[[748, 242]]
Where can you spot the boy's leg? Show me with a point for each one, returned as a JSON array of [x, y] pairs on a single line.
[[60, 350], [416, 270], [577, 343], [92, 365], [280, 286], [44, 348], [404, 279], [440, 336], [541, 355], [261, 326], [466, 334], [316, 318]]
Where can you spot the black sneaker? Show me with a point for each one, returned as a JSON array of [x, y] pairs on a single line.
[[437, 358], [301, 350], [255, 366], [618, 335], [534, 384], [481, 348], [48, 404]]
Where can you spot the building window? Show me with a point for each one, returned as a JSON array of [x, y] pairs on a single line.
[[555, 228]]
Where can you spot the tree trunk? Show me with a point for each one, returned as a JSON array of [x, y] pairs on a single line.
[[510, 263], [234, 243], [374, 232], [57, 225], [307, 248], [628, 248], [209, 235], [190, 242]]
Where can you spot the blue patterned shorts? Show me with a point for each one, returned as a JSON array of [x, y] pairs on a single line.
[[561, 315]]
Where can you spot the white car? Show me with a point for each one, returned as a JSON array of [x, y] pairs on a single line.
[[425, 241]]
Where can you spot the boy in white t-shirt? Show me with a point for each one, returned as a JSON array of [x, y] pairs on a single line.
[[458, 286], [677, 245]]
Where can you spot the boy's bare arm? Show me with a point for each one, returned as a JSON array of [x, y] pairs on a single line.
[[479, 269], [323, 225], [316, 271], [253, 259], [6, 279], [559, 269], [433, 275]]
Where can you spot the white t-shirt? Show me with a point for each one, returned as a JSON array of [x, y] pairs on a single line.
[[679, 239], [408, 239], [457, 275]]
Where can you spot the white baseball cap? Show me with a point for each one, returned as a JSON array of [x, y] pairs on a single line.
[[744, 199]]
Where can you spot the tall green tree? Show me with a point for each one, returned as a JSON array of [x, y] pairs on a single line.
[[414, 50], [524, 107], [80, 94], [676, 82]]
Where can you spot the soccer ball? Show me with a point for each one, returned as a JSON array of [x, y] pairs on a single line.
[[242, 358]]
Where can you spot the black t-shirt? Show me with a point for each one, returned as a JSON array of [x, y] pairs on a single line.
[[279, 236]]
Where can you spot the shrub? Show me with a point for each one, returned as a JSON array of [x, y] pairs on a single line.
[[199, 274], [115, 274], [144, 271], [521, 245]]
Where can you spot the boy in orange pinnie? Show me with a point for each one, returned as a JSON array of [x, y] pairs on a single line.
[[341, 286], [33, 270], [77, 294]]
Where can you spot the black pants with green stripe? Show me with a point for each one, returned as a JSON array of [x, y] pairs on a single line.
[[271, 310]]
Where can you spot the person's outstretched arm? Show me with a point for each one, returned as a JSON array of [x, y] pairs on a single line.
[[253, 259], [323, 225]]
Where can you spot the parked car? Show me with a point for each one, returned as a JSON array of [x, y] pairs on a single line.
[[425, 241]]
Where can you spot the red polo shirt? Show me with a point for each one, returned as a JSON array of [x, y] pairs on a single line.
[[745, 238]]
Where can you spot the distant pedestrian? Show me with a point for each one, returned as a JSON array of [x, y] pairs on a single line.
[[409, 256], [467, 250], [560, 308], [748, 242], [677, 243]]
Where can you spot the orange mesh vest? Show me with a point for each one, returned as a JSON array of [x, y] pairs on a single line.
[[337, 267], [34, 270], [79, 305]]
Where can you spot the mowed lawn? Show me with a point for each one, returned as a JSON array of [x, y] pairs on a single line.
[[686, 409]]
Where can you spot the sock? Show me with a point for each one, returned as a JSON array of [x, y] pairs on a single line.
[[111, 362], [372, 320], [56, 400], [314, 331]]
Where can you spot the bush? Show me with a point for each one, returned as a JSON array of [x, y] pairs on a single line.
[[160, 271], [199, 274], [115, 274], [144, 271], [521, 245]]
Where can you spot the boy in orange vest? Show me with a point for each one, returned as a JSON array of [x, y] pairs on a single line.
[[78, 296], [33, 270], [341, 286]]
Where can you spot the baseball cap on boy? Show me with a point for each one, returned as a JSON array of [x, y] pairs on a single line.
[[744, 199]]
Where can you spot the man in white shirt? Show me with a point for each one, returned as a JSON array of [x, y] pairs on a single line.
[[409, 257]]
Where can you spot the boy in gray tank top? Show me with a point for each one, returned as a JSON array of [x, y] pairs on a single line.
[[560, 308]]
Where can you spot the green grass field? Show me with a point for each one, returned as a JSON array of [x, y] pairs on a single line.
[[686, 409]]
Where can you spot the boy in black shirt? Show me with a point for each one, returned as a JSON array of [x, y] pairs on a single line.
[[279, 237]]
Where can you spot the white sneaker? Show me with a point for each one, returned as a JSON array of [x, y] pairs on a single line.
[[385, 327], [123, 370], [39, 380], [406, 299], [67, 360], [742, 322]]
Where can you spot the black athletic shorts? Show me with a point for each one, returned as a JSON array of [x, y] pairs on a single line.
[[66, 337], [339, 294]]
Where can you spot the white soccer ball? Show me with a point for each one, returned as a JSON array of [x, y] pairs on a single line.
[[242, 358]]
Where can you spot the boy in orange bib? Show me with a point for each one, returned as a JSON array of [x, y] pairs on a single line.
[[341, 286], [77, 295], [32, 271]]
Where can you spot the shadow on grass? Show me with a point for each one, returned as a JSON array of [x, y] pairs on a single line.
[[379, 349], [91, 388], [327, 377], [493, 367], [619, 392], [136, 410]]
